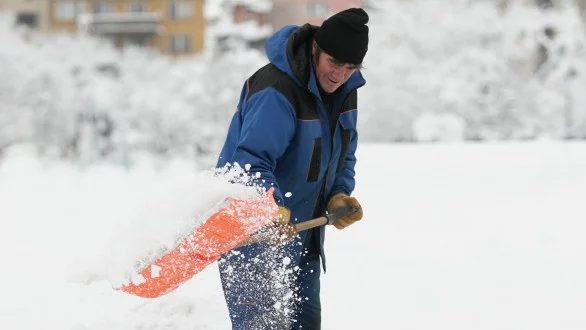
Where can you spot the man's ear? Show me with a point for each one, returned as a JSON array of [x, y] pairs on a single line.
[[313, 48]]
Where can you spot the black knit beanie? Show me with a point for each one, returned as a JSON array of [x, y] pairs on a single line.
[[344, 35]]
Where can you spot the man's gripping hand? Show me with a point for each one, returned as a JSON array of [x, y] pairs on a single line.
[[343, 200], [284, 231]]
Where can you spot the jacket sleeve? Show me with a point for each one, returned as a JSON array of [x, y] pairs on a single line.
[[268, 126], [344, 181]]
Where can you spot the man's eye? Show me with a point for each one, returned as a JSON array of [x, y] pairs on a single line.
[[336, 63]]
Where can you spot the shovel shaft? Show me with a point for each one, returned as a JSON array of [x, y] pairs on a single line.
[[328, 219], [321, 221]]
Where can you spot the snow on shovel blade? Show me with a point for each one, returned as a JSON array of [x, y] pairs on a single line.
[[222, 232]]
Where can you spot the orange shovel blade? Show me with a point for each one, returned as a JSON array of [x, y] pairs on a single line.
[[222, 232]]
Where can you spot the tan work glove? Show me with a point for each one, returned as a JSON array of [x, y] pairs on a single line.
[[280, 231], [343, 200], [283, 230]]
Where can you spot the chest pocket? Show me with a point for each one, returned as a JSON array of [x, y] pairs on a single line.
[[315, 162]]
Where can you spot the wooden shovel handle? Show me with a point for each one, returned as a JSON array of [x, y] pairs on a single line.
[[328, 219]]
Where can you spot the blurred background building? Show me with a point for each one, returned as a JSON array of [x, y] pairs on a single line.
[[176, 27], [172, 26], [287, 12], [32, 13], [251, 22]]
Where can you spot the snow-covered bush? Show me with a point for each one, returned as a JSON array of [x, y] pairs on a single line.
[[430, 127], [80, 98], [517, 73], [475, 60]]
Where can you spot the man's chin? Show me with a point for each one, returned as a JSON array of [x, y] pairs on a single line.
[[330, 88]]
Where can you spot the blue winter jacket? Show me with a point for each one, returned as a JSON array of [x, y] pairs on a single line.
[[282, 130]]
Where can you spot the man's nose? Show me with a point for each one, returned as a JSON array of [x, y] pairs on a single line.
[[342, 73]]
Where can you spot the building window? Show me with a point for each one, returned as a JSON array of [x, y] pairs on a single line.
[[105, 6], [67, 10], [139, 41], [137, 7], [180, 44], [317, 9], [545, 4], [180, 9], [30, 20]]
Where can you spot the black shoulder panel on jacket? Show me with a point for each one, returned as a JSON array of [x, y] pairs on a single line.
[[300, 98]]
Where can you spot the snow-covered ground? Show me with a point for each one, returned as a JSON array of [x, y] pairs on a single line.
[[455, 236]]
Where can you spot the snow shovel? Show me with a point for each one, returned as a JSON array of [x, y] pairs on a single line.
[[234, 225], [327, 219]]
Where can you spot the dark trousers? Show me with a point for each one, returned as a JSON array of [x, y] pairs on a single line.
[[308, 316], [259, 293]]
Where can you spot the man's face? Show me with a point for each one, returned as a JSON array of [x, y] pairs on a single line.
[[331, 73]]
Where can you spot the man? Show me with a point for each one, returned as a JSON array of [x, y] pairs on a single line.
[[295, 125]]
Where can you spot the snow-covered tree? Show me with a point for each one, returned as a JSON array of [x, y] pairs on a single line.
[[473, 60], [80, 98], [486, 71]]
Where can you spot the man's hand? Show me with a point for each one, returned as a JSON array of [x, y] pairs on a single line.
[[283, 230], [343, 200]]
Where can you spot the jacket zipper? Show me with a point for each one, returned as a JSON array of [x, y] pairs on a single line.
[[332, 134]]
